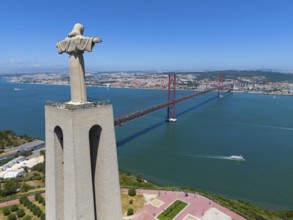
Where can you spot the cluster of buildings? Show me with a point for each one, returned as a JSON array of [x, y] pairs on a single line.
[[276, 88], [12, 162], [185, 81], [16, 167]]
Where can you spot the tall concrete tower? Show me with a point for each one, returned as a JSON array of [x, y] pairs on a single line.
[[81, 159]]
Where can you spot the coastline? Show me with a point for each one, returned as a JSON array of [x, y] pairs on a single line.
[[159, 89]]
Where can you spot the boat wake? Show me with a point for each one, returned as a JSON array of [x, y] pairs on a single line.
[[207, 156], [280, 128], [233, 157]]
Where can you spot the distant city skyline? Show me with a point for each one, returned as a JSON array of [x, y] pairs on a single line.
[[187, 35]]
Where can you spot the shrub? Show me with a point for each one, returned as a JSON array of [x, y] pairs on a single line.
[[6, 211], [31, 206], [35, 210], [9, 187], [25, 187], [43, 216], [132, 192], [27, 218], [130, 201], [40, 167], [39, 212], [14, 208], [27, 203], [139, 178], [41, 200], [22, 200], [12, 217], [130, 211], [37, 196], [20, 213]]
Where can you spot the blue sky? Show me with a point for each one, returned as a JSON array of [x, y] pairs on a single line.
[[151, 34]]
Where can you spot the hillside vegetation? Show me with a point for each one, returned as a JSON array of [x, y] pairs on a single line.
[[9, 139]]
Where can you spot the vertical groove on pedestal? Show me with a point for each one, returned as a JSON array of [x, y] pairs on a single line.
[[59, 172], [94, 138]]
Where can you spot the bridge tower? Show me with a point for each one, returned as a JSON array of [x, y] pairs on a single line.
[[171, 110], [221, 80]]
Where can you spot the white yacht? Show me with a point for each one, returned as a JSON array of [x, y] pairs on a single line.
[[239, 158]]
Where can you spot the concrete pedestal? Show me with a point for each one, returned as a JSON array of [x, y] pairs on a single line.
[[82, 179]]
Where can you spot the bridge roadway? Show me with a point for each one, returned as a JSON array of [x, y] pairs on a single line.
[[137, 114]]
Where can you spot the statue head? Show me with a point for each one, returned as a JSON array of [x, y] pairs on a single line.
[[77, 30]]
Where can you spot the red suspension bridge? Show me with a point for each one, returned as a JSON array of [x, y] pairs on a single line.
[[172, 101]]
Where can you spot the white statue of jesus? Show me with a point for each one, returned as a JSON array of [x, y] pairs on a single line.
[[75, 44]]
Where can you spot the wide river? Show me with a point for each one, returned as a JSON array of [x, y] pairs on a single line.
[[191, 152]]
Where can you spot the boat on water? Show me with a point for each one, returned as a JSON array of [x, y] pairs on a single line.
[[238, 158], [172, 119]]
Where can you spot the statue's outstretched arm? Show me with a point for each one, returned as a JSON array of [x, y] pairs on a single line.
[[97, 40]]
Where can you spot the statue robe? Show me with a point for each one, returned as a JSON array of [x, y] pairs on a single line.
[[75, 47]]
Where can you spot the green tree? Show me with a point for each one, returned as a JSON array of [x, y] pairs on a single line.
[[130, 211], [9, 187], [139, 178], [40, 167], [25, 187], [132, 192], [14, 208], [6, 211], [20, 213], [23, 200], [35, 209], [38, 196], [12, 217], [39, 212], [31, 206]]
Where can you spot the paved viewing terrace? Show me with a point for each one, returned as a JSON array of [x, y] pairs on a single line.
[[198, 208]]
